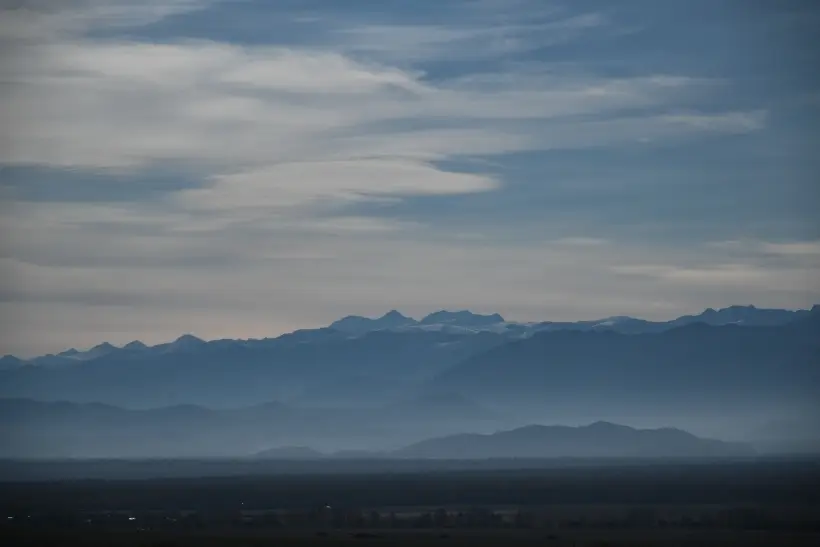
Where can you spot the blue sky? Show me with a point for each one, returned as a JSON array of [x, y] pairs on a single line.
[[243, 168]]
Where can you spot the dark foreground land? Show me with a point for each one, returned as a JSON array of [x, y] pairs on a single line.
[[672, 503]]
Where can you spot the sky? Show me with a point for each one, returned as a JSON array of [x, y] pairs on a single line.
[[243, 168]]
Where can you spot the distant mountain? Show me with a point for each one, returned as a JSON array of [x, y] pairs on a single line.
[[136, 345], [742, 315], [461, 323], [54, 361], [186, 342], [462, 318], [690, 363], [10, 362], [97, 351], [72, 355], [237, 373], [305, 336], [354, 324], [621, 324], [376, 361], [452, 322], [733, 315], [598, 440], [33, 429]]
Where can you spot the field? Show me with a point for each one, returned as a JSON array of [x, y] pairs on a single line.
[[673, 503]]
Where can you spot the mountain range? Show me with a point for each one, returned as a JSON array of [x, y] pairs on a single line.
[[460, 322], [596, 440], [35, 429], [375, 383], [381, 360], [697, 360], [74, 430]]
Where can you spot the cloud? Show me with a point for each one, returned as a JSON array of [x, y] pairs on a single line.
[[35, 21], [289, 185], [295, 156], [407, 42], [794, 248], [258, 283], [741, 122], [720, 274], [771, 278], [111, 104], [798, 253]]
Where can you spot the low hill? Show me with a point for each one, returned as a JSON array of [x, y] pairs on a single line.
[[598, 440]]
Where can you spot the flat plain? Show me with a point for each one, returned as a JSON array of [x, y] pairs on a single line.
[[773, 502]]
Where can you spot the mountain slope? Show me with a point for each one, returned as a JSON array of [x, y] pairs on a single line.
[[463, 318], [743, 315], [459, 322], [354, 324], [693, 361], [10, 362], [236, 373], [537, 361]]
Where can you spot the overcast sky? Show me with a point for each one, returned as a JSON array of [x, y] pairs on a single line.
[[244, 168]]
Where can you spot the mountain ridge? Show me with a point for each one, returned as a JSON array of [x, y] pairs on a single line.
[[692, 358], [463, 322], [599, 439]]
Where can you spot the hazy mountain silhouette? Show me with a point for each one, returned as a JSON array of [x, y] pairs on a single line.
[[598, 440], [744, 315], [96, 352], [32, 429], [10, 362], [589, 364], [136, 345], [685, 363], [235, 373], [354, 324], [733, 315], [459, 322], [463, 318]]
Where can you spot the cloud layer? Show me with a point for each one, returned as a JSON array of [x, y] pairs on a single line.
[[290, 162]]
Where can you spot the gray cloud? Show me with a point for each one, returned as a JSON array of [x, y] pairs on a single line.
[[287, 143]]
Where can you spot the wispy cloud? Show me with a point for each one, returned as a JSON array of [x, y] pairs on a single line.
[[722, 274], [43, 20], [581, 241], [114, 104], [300, 154], [403, 43], [290, 185], [794, 248]]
